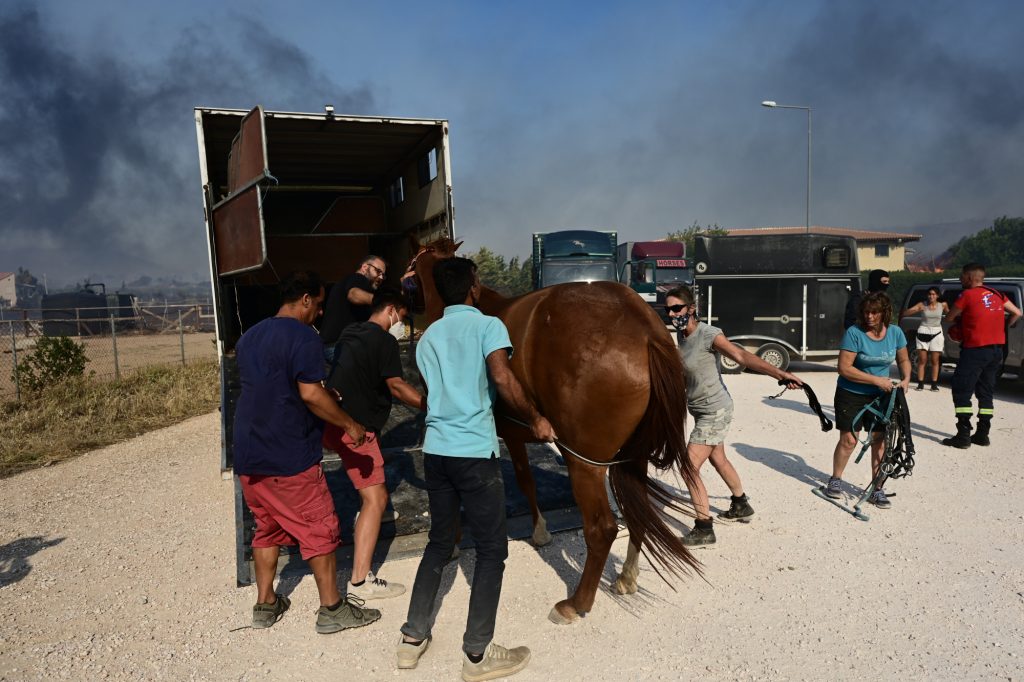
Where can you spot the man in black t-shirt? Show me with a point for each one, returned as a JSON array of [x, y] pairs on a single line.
[[350, 300], [367, 373]]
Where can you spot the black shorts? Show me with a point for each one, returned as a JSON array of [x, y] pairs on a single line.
[[848, 405]]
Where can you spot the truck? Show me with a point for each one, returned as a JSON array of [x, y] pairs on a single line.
[[574, 256], [778, 296], [287, 191], [652, 268]]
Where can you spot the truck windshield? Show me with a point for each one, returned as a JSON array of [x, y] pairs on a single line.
[[672, 275], [559, 272]]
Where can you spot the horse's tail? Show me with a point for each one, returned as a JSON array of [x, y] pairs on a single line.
[[658, 439]]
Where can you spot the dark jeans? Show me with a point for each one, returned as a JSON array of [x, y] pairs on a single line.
[[475, 484], [976, 373]]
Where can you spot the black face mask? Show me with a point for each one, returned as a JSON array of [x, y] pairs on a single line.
[[680, 322]]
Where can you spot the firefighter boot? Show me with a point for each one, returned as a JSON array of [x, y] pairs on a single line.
[[980, 436], [962, 439]]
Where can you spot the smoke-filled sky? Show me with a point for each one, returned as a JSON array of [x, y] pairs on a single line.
[[641, 117]]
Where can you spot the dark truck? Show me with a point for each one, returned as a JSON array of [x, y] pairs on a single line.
[[949, 290], [652, 268], [573, 256], [309, 191], [779, 296]]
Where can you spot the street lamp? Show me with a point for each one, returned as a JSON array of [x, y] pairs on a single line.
[[772, 105]]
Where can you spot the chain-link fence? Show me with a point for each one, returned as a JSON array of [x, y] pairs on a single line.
[[116, 342]]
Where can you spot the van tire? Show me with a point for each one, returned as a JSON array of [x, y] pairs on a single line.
[[775, 355]]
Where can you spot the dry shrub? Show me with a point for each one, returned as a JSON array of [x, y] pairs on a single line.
[[79, 414]]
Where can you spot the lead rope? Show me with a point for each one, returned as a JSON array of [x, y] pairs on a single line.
[[812, 401], [570, 450]]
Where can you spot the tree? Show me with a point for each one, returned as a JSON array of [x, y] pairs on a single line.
[[508, 279], [1001, 244], [688, 235]]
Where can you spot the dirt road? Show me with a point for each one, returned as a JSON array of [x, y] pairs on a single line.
[[120, 565]]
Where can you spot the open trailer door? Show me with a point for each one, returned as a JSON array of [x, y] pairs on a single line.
[[238, 227]]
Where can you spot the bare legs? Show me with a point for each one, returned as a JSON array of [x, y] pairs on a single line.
[[325, 573], [699, 453], [844, 448], [375, 499]]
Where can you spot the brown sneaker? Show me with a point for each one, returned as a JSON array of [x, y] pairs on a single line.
[[497, 662]]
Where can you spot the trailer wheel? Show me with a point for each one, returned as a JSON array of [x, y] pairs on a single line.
[[730, 366], [775, 355]]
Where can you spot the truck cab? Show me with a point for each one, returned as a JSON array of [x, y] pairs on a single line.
[[653, 268], [573, 256]]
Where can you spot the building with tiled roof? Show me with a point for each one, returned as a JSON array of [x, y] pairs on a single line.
[[8, 289], [875, 250]]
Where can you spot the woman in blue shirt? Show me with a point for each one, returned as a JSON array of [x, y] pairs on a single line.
[[866, 353]]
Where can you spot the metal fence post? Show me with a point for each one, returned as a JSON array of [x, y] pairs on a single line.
[[181, 338], [14, 356], [113, 338]]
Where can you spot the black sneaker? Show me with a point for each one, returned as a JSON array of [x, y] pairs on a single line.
[[739, 510], [979, 439], [935, 388], [920, 386], [962, 441], [699, 537]]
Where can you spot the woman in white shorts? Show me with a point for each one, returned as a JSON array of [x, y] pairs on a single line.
[[930, 341], [711, 406]]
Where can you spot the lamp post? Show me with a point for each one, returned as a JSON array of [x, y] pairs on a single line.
[[772, 105]]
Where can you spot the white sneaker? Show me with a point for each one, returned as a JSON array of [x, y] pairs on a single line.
[[409, 654], [497, 662], [376, 588]]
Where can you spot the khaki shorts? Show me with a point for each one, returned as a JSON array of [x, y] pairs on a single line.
[[710, 428]]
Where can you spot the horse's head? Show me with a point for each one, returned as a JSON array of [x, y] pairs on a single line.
[[420, 284]]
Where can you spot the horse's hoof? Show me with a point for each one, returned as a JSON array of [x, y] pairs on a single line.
[[541, 538], [558, 618], [622, 586]]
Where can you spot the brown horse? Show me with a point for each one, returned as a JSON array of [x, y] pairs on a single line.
[[599, 364]]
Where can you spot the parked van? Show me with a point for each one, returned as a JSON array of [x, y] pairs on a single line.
[[949, 290]]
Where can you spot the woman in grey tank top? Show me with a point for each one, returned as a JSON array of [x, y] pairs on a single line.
[[708, 400], [930, 340]]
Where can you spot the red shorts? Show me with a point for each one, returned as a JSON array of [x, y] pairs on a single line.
[[364, 464], [293, 510]]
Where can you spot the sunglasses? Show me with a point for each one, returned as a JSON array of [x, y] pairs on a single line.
[[678, 308]]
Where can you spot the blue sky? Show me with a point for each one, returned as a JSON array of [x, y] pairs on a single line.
[[640, 117]]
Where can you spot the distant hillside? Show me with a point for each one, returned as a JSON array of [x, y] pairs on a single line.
[[937, 238]]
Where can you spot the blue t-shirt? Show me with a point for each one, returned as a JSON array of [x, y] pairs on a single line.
[[275, 433], [873, 357], [452, 358]]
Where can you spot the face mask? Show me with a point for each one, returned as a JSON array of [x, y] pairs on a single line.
[[397, 330], [680, 322]]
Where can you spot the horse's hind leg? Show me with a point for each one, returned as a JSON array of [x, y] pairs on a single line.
[[626, 582], [599, 532], [524, 477]]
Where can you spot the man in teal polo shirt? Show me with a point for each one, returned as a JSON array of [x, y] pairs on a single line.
[[464, 361]]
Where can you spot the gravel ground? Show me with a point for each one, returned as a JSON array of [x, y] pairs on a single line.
[[120, 565]]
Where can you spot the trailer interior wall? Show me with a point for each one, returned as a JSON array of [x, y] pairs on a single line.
[[331, 199]]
